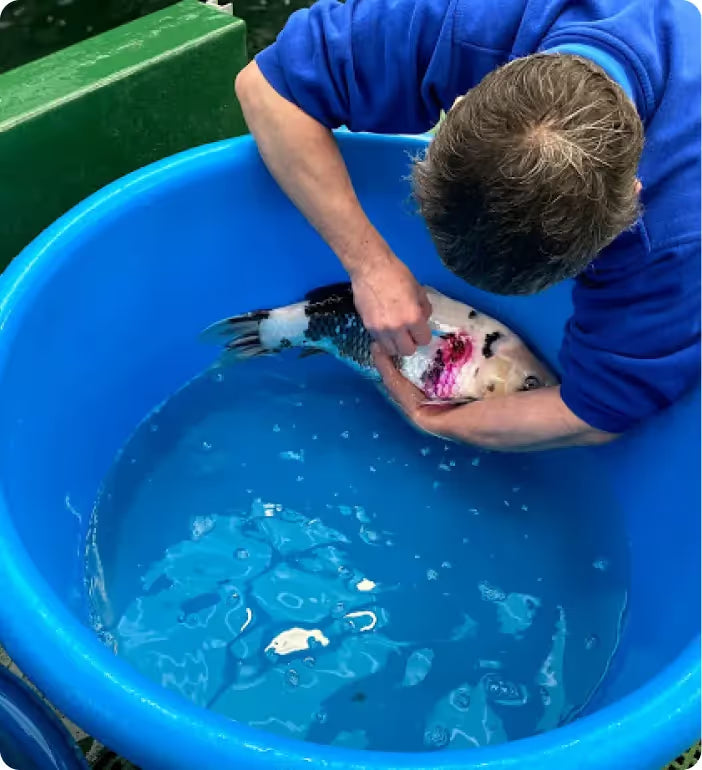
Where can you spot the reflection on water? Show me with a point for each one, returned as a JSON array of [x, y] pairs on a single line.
[[277, 545]]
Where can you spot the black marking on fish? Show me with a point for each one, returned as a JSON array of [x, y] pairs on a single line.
[[343, 328], [336, 298], [285, 343], [473, 314], [358, 697], [433, 372], [491, 387], [490, 340]]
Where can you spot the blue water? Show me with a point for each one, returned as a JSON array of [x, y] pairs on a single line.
[[276, 543]]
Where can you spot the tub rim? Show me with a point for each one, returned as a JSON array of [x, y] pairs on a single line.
[[657, 721]]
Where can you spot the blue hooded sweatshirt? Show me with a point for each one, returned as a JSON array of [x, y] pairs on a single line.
[[632, 346]]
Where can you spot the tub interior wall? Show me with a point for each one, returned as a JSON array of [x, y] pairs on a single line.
[[176, 257]]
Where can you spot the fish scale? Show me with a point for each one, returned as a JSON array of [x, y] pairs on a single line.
[[344, 334]]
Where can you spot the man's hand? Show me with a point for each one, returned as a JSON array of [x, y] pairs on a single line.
[[524, 421], [431, 418], [305, 160], [393, 306]]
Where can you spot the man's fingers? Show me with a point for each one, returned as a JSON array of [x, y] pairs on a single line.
[[399, 388], [425, 305], [421, 333], [404, 343], [383, 362], [386, 343]]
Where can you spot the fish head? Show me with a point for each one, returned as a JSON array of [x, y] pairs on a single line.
[[510, 367], [472, 356]]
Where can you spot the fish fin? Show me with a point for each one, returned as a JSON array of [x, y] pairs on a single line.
[[234, 326], [307, 352], [239, 335], [446, 401]]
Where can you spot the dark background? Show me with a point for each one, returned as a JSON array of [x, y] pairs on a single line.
[[30, 29]]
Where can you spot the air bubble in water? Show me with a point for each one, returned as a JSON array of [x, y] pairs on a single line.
[[345, 434], [436, 737], [241, 553], [591, 642], [432, 574], [153, 427], [601, 564], [206, 446], [219, 377], [525, 507], [460, 699], [376, 434], [446, 565], [292, 677], [372, 468], [369, 536], [476, 461], [276, 428], [321, 717], [309, 661], [338, 610]]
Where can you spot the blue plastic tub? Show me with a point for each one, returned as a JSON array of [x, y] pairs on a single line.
[[98, 324]]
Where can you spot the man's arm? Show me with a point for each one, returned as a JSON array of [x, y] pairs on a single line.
[[521, 422], [304, 159]]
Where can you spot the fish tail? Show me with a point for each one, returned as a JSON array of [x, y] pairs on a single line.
[[240, 335], [258, 333]]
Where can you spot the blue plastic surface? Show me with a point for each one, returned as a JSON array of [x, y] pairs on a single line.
[[98, 324], [31, 737]]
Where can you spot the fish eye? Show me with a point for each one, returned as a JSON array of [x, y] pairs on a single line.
[[532, 382]]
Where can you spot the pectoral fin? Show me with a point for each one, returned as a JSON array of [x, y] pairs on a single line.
[[307, 352]]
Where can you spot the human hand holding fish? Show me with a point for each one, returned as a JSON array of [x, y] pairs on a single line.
[[521, 421], [393, 306]]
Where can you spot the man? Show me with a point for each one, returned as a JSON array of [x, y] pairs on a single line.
[[539, 172]]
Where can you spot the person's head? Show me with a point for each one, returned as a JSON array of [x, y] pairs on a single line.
[[531, 174]]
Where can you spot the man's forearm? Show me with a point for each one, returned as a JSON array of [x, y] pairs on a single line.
[[530, 421], [304, 159]]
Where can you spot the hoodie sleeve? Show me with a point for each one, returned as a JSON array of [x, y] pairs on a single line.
[[371, 65], [632, 346]]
